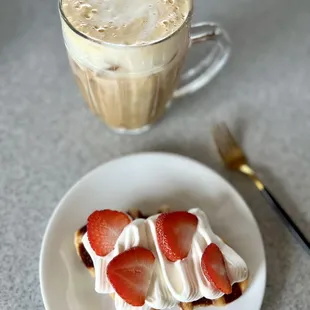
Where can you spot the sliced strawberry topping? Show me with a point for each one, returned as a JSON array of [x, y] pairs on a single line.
[[175, 233], [130, 274], [214, 268], [103, 229]]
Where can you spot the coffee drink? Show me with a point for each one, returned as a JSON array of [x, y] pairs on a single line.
[[126, 56]]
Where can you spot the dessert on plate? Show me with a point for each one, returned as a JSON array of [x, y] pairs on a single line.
[[160, 261]]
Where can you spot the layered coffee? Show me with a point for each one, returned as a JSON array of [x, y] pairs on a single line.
[[126, 55]]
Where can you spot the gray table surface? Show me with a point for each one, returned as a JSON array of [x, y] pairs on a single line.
[[48, 138]]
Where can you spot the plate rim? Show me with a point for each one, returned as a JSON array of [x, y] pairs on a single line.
[[142, 154]]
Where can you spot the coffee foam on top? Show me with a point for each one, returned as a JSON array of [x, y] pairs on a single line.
[[140, 57], [130, 22]]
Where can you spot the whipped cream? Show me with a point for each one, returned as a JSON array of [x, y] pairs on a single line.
[[172, 282]]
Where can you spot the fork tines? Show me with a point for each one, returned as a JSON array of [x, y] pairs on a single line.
[[228, 147]]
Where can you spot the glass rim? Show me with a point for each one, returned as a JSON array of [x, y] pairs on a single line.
[[83, 35]]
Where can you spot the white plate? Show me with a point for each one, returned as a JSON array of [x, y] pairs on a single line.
[[145, 181]]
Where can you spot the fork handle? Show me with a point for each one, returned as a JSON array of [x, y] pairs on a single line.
[[290, 224]]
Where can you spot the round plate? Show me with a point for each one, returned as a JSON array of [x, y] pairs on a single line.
[[145, 181]]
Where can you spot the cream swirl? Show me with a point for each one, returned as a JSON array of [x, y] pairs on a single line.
[[172, 282], [135, 234]]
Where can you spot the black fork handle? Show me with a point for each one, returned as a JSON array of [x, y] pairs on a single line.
[[290, 224]]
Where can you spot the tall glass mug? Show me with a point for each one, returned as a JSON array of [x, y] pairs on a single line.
[[129, 85]]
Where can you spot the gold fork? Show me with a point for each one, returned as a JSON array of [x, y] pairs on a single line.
[[235, 159]]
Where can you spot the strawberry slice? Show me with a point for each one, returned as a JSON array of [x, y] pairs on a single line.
[[175, 231], [130, 274], [214, 268], [104, 228]]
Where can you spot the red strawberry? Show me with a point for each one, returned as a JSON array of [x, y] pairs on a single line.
[[175, 233], [103, 229], [214, 268], [130, 274]]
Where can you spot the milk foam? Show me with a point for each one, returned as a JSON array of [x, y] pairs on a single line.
[[111, 21], [130, 22]]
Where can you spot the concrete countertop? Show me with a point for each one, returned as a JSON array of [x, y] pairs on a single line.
[[49, 139]]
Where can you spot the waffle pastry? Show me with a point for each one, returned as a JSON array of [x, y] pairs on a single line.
[[237, 289]]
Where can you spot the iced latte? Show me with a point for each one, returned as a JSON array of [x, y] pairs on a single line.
[[126, 56]]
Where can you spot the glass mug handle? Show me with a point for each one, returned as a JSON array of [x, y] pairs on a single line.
[[208, 67]]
